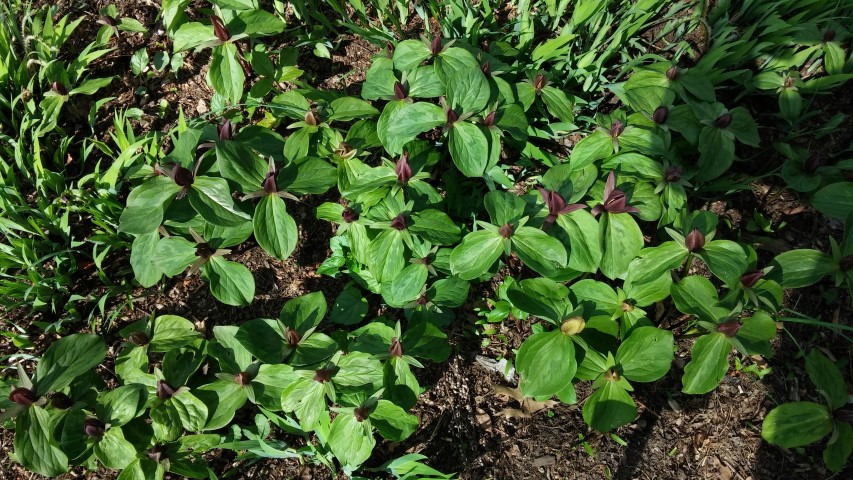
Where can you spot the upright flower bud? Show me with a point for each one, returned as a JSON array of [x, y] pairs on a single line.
[[506, 230], [349, 215], [269, 185], [749, 279], [396, 348], [292, 336], [389, 51], [435, 45], [723, 120], [486, 67], [673, 174], [94, 428], [59, 88], [182, 176], [164, 390], [539, 82], [361, 413], [226, 130], [399, 222], [811, 165], [573, 326], [400, 91], [219, 29], [489, 119], [729, 328], [694, 241], [672, 73], [61, 401], [323, 375], [345, 150], [243, 379], [139, 339], [403, 169], [660, 115], [789, 82], [312, 118], [23, 396], [616, 128]]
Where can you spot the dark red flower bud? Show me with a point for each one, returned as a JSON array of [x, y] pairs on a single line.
[[23, 396], [182, 176], [489, 120], [292, 336], [846, 263], [423, 300], [311, 118], [226, 130], [486, 67], [107, 20], [349, 215], [61, 401], [399, 222], [361, 413], [204, 250], [451, 117], [157, 453], [616, 128], [723, 120], [323, 375], [403, 169], [672, 73], [164, 390], [506, 230], [219, 29], [269, 184], [59, 88], [139, 339], [811, 165], [660, 115], [243, 379], [749, 279], [539, 82], [435, 45], [729, 328], [694, 241], [389, 50], [396, 348], [94, 428], [400, 91], [673, 174], [828, 36]]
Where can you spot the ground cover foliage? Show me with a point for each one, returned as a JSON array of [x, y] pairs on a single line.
[[539, 164]]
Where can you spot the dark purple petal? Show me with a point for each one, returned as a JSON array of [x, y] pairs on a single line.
[[226, 130], [660, 115], [164, 390], [672, 73], [400, 91], [489, 120], [609, 185], [723, 120], [107, 20], [828, 36], [539, 82], [506, 230], [243, 378], [403, 169], [292, 336], [182, 176], [596, 210], [219, 29], [399, 222], [435, 45], [269, 184], [616, 128], [451, 117], [139, 339], [94, 428], [749, 279], [349, 215], [694, 241], [61, 401], [323, 375], [60, 88], [361, 413], [389, 50], [23, 396], [396, 348], [729, 328], [673, 174], [486, 67]]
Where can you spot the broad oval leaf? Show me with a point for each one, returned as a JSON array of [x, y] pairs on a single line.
[[546, 362], [708, 365], [275, 229], [476, 254], [230, 282], [796, 424], [646, 355]]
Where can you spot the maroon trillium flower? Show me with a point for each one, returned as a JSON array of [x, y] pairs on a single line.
[[389, 51], [486, 67], [399, 222], [23, 396], [361, 413], [94, 428], [435, 45], [226, 130], [660, 115], [164, 390], [729, 328], [749, 279], [403, 169], [556, 206], [614, 199], [694, 240], [396, 348], [401, 92], [349, 215], [219, 29]]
